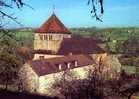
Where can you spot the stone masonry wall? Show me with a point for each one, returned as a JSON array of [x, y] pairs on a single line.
[[47, 81], [49, 41]]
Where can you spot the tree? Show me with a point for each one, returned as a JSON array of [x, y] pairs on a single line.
[[131, 46], [9, 62], [9, 4], [95, 11], [19, 3], [130, 90], [91, 87], [126, 86]]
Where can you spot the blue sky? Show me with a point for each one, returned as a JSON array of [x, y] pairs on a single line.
[[76, 13]]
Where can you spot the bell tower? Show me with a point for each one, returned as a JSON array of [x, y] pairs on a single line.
[[50, 35]]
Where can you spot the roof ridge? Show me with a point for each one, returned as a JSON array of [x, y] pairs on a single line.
[[53, 25]]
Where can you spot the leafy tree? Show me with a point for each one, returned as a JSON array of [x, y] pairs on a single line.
[[131, 46], [9, 62], [125, 86]]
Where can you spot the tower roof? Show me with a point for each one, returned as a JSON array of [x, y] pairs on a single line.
[[53, 25]]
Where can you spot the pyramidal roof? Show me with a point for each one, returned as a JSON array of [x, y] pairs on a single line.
[[53, 25]]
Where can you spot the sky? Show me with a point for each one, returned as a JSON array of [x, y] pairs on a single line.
[[76, 13]]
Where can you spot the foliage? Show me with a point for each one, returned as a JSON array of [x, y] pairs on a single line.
[[131, 46], [95, 87], [129, 69], [114, 37], [130, 50], [22, 95], [130, 60], [9, 62], [89, 88], [127, 85], [24, 38]]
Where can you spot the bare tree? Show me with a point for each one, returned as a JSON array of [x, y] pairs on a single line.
[[9, 4], [96, 5], [91, 87]]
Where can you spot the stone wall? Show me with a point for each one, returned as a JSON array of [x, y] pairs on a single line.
[[47, 81], [49, 41], [43, 84]]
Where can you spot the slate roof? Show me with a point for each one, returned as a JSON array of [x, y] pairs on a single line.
[[48, 66], [79, 46], [75, 46], [53, 25]]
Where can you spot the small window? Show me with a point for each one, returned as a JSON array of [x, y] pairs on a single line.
[[59, 66], [41, 37], [45, 37], [50, 37], [68, 64], [41, 57], [76, 63]]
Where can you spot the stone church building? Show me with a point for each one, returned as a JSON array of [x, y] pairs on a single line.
[[56, 51]]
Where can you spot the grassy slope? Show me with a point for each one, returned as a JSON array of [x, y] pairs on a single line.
[[24, 34], [113, 33], [129, 69], [25, 38]]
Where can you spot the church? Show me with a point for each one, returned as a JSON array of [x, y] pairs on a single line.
[[56, 51]]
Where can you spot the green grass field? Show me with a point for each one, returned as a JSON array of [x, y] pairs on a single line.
[[129, 69], [24, 34]]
